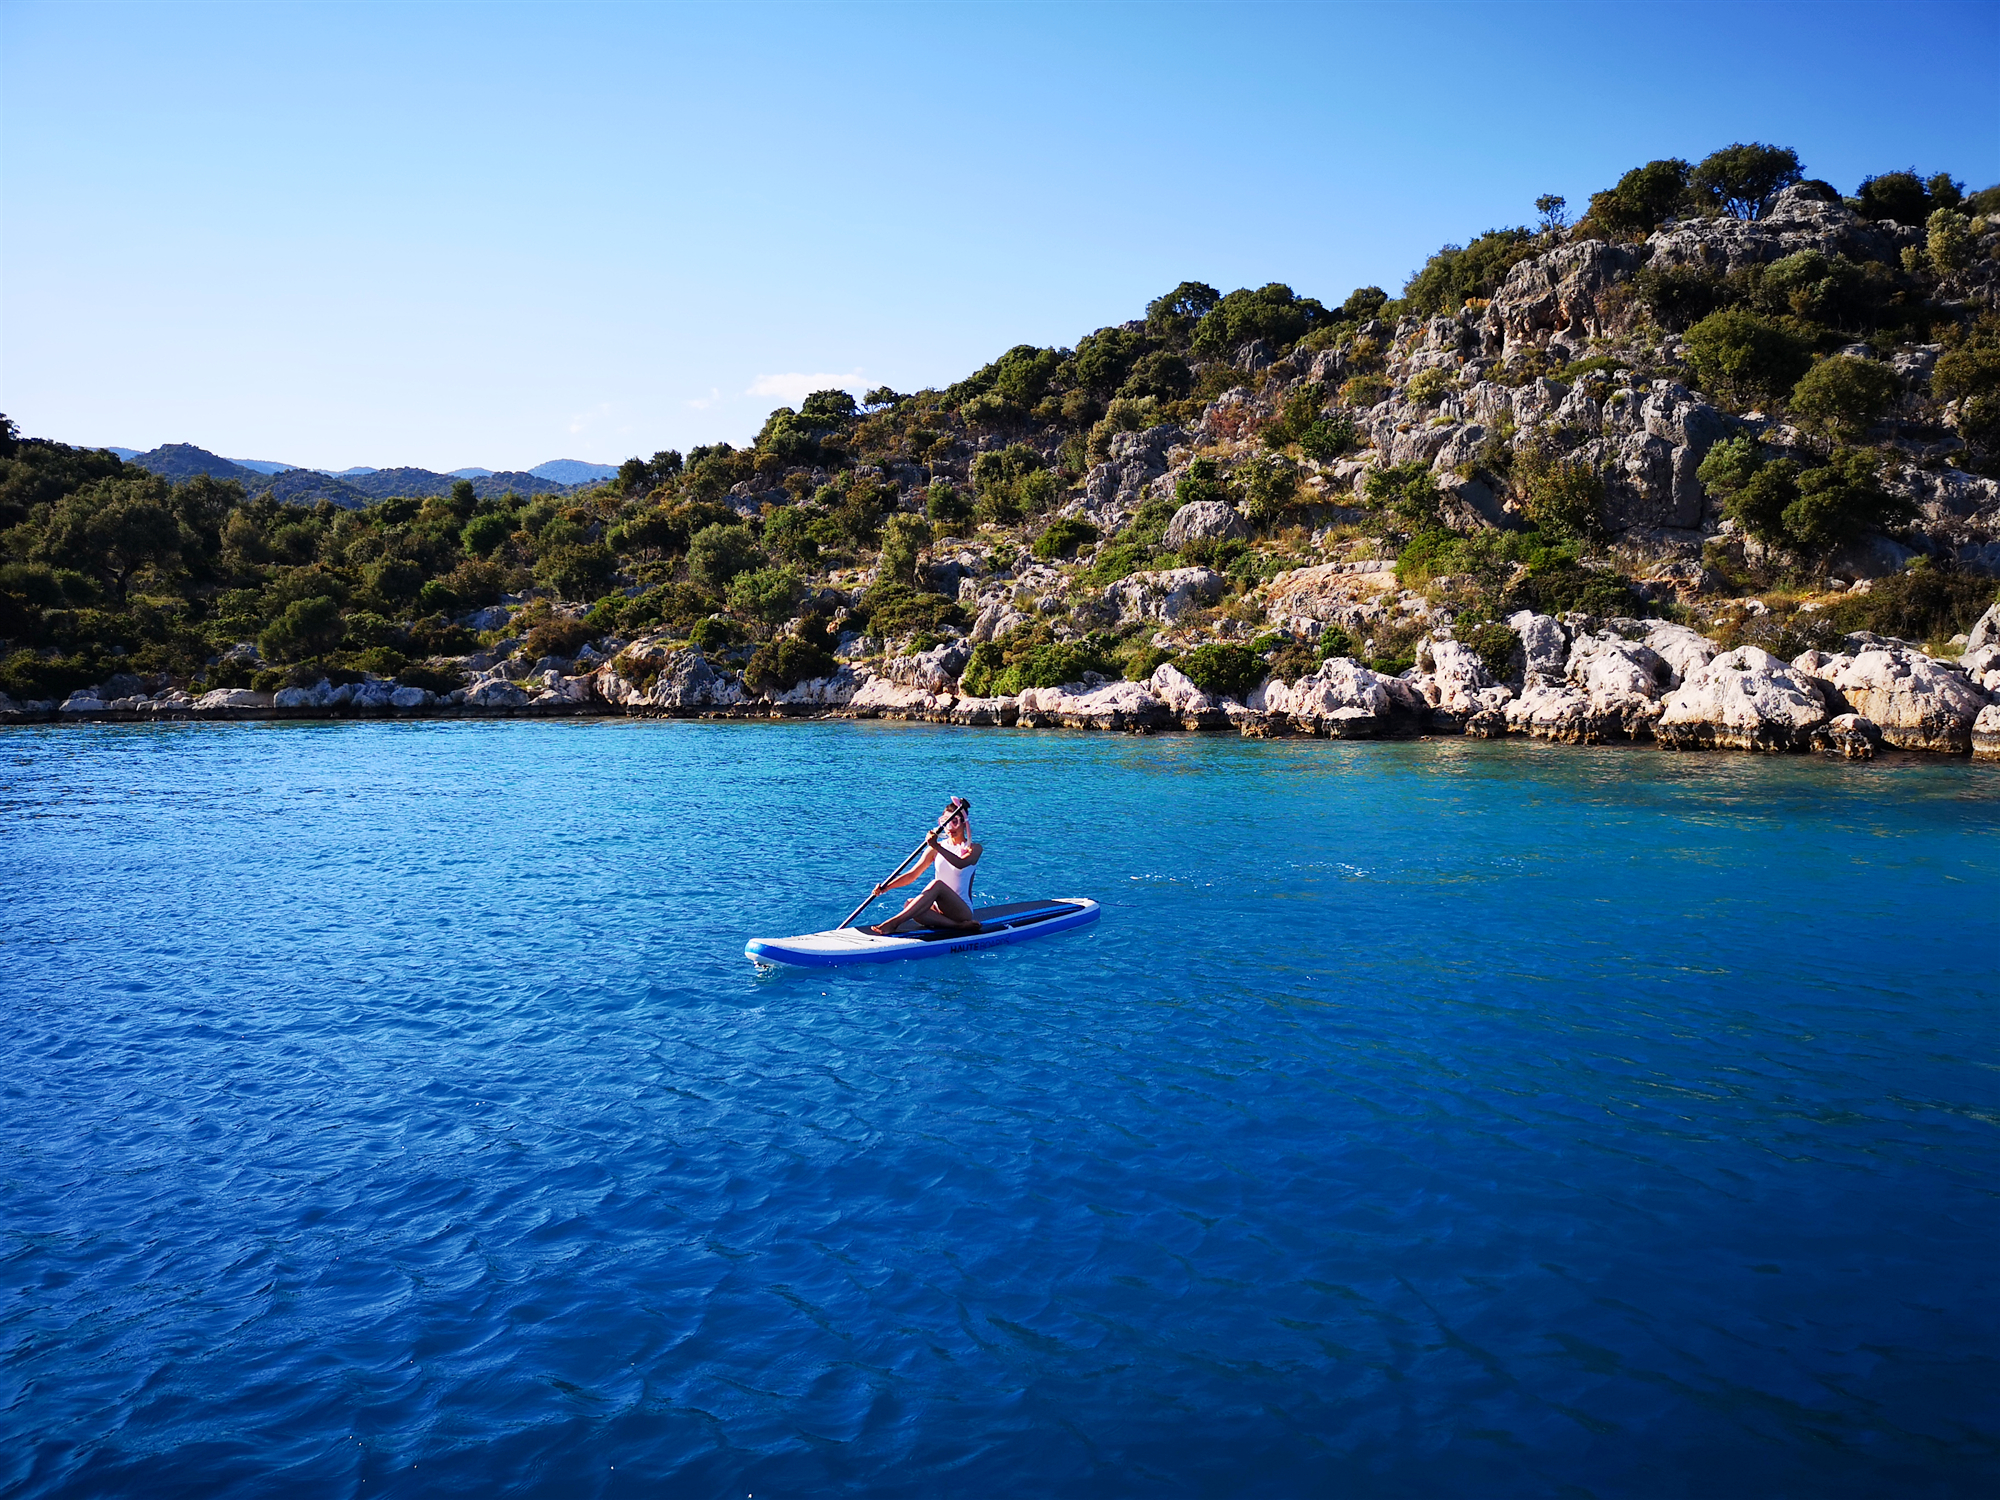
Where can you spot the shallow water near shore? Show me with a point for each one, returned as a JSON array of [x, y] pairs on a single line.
[[389, 1109]]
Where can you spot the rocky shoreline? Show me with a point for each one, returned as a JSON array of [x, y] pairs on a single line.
[[1574, 680]]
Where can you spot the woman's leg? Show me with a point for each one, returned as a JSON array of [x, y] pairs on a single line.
[[938, 907], [948, 911]]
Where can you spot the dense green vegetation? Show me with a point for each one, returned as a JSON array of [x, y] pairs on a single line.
[[107, 568]]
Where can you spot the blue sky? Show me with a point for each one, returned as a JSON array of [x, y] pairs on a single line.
[[497, 234]]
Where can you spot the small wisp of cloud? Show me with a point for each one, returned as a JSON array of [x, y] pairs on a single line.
[[793, 388]]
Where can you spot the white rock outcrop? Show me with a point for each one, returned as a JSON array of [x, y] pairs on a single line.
[[1744, 699], [1918, 703]]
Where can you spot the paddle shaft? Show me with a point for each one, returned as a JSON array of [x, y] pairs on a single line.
[[914, 855]]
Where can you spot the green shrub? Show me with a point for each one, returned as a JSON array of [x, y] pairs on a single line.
[[1143, 659], [1363, 391], [1428, 387], [439, 679], [1563, 497], [1328, 437], [1201, 480], [1641, 200], [308, 627], [1838, 501], [1334, 641], [717, 553], [982, 669], [1927, 601], [1410, 495], [903, 541], [1901, 196], [557, 636], [1270, 484], [944, 505], [383, 661], [890, 609], [1949, 240], [716, 633], [1495, 644], [1457, 272], [1223, 670], [482, 534], [787, 662], [1678, 296], [1741, 355], [765, 594], [1300, 411], [788, 535], [1117, 560], [1273, 313], [1063, 537], [1843, 397]]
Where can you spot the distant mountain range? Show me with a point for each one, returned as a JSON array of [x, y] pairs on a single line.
[[359, 486]]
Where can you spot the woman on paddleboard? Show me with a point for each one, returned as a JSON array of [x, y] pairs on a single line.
[[945, 904]]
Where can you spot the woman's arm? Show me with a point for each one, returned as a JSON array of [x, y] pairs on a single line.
[[971, 856], [914, 875]]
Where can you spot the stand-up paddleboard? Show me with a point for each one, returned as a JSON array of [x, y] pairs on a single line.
[[1015, 922]]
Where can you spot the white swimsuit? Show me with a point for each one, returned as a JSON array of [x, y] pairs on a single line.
[[960, 880]]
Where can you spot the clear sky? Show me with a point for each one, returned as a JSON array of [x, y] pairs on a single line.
[[497, 234]]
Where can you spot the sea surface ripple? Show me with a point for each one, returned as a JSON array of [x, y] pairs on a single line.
[[390, 1110]]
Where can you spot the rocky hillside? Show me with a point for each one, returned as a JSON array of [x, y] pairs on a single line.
[[1728, 401]]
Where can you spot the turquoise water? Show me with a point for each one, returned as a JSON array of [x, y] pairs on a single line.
[[388, 1109]]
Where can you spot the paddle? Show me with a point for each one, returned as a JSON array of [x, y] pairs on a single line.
[[951, 809]]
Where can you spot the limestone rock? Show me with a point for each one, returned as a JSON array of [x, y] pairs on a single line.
[[1164, 596], [1919, 703], [412, 697], [836, 690], [1343, 700], [1985, 630], [936, 670], [1113, 706], [881, 697], [1986, 732], [986, 711], [229, 698], [496, 692], [1545, 644], [1848, 735], [1177, 690], [1559, 292], [1553, 711], [1685, 651], [1744, 699], [1204, 520]]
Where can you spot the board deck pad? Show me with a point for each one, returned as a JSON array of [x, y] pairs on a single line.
[[1012, 922]]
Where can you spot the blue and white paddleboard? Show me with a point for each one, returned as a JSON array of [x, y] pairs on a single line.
[[1015, 922]]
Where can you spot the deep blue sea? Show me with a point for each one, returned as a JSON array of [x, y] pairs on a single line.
[[390, 1110]]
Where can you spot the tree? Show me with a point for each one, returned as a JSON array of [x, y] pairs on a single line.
[[1457, 272], [113, 528], [1900, 196], [828, 409], [1739, 179], [1363, 303], [882, 396], [1174, 316], [307, 628], [1642, 198], [1843, 397], [463, 496], [1838, 501], [482, 534], [766, 594], [1949, 240], [1552, 207], [903, 538], [1740, 355], [1273, 312]]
